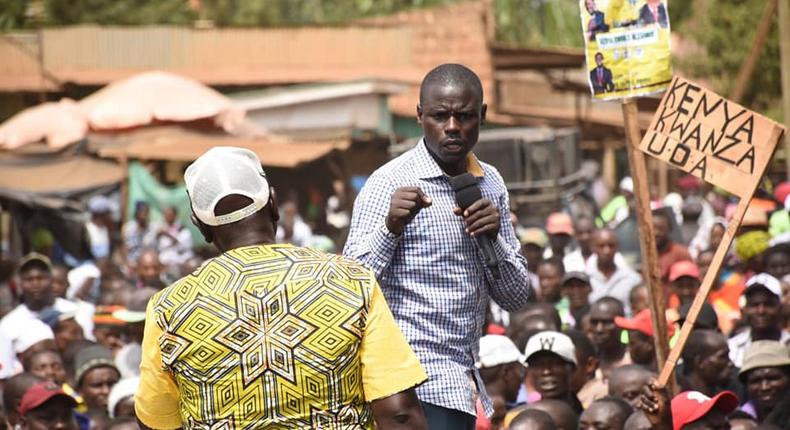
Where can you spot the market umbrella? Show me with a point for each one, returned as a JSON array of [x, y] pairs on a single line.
[[56, 123]]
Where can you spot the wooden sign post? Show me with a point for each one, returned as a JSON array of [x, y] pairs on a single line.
[[647, 239], [721, 142]]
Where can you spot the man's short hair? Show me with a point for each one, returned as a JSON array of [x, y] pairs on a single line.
[[582, 343], [556, 262], [613, 302], [451, 74]]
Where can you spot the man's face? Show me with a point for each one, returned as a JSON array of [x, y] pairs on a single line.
[[170, 215], [559, 241], [600, 416], [96, 386], [36, 284], [713, 420], [599, 59], [550, 279], [640, 347], [533, 253], [605, 247], [639, 300], [513, 377], [628, 385], [60, 281], [777, 264], [111, 337], [590, 6], [67, 332], [48, 365], [54, 414], [703, 263], [767, 385], [577, 292], [142, 215], [583, 231], [451, 119], [604, 333], [551, 375], [149, 269], [661, 230], [686, 288], [716, 367], [762, 310]]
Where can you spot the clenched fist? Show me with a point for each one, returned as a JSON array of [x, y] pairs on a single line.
[[406, 202]]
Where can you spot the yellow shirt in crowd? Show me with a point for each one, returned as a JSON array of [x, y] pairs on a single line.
[[271, 336]]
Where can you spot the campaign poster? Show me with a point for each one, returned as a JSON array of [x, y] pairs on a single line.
[[627, 47]]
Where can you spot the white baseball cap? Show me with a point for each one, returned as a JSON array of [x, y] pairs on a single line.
[[764, 280], [224, 171], [497, 349], [551, 341]]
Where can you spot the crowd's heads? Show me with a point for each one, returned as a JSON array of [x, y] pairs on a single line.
[[586, 359], [638, 299], [662, 228], [584, 230], [46, 406], [533, 242], [532, 419], [605, 246], [120, 403], [47, 364], [684, 279], [60, 281], [706, 319], [763, 302], [67, 331], [564, 417], [99, 208], [550, 273], [692, 410], [626, 382], [551, 359], [640, 336], [109, 330], [141, 212], [13, 390], [637, 421], [501, 366], [149, 269], [559, 226], [576, 287], [706, 355], [776, 260], [609, 413], [766, 373], [95, 374], [35, 281], [604, 333]]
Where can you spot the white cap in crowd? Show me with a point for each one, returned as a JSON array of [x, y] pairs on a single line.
[[553, 342], [34, 332], [497, 349], [224, 171], [123, 389], [766, 281]]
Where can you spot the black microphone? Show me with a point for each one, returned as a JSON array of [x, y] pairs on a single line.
[[467, 191]]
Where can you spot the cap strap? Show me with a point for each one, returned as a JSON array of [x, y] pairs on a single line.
[[239, 214]]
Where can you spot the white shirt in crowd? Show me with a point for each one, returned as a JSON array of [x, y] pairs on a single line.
[[619, 285], [739, 343]]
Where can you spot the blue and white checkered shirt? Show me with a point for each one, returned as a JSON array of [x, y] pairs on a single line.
[[433, 275]]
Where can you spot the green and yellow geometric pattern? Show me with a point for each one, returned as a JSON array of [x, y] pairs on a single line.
[[268, 337]]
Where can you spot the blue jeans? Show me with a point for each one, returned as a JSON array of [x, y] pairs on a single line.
[[440, 418]]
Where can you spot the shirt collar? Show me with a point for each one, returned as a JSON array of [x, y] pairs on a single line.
[[425, 166]]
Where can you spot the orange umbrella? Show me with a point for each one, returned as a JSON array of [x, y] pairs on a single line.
[[57, 123], [157, 96]]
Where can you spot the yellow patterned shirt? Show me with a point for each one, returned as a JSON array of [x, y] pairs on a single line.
[[271, 336]]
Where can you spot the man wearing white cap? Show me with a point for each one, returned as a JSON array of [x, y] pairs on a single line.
[[551, 360], [268, 335], [762, 311], [501, 367]]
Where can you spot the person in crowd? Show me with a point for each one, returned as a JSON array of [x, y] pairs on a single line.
[[551, 362], [46, 406], [584, 230], [626, 382], [129, 355], [637, 421], [94, 376], [559, 227], [576, 288], [740, 420], [39, 302], [587, 382], [763, 304], [406, 215], [47, 364], [689, 410], [550, 273], [13, 390], [706, 363], [149, 270], [617, 210], [532, 419], [565, 417], [98, 229], [501, 367], [684, 282], [725, 294], [236, 210], [638, 299], [293, 229], [610, 276], [776, 260], [608, 413], [640, 337], [706, 319], [669, 251], [606, 335], [60, 280], [67, 331], [108, 330], [533, 244], [173, 240], [138, 232], [120, 403], [533, 317], [766, 376]]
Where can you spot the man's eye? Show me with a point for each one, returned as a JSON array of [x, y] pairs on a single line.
[[440, 116]]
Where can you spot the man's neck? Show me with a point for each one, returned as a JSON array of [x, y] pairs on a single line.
[[612, 354], [772, 333], [586, 253], [696, 383], [607, 269], [40, 306]]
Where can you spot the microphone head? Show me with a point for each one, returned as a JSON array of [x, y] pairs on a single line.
[[466, 189]]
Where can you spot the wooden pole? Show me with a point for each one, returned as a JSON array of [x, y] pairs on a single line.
[[745, 73], [647, 239], [784, 49]]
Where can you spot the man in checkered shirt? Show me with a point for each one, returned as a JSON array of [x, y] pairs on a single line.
[[407, 228]]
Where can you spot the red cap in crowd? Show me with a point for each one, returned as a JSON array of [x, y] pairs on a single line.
[[683, 268], [690, 406], [641, 322], [559, 223], [41, 393]]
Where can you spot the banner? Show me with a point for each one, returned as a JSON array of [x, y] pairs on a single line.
[[704, 134], [627, 47]]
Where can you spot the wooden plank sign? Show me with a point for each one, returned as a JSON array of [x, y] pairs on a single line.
[[702, 133]]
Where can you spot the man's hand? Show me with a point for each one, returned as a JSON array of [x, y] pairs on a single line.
[[404, 205], [482, 217], [655, 404]]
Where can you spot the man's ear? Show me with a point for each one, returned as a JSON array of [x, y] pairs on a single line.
[[419, 114], [204, 230], [274, 205], [483, 110]]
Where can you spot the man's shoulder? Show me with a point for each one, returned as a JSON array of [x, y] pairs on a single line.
[[740, 339], [399, 165], [491, 172], [19, 313]]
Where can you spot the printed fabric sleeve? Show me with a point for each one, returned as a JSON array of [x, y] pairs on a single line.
[[369, 240], [156, 402], [389, 366], [512, 290]]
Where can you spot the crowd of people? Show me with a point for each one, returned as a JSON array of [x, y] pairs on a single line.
[[149, 328]]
